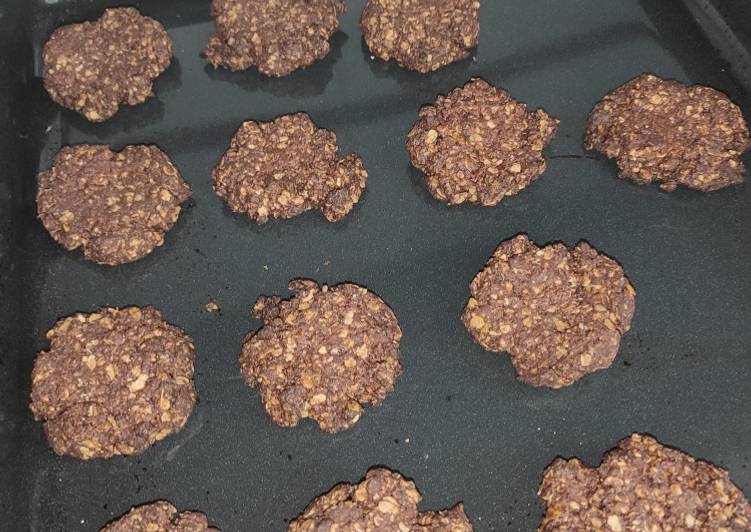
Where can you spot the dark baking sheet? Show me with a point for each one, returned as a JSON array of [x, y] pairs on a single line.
[[474, 433]]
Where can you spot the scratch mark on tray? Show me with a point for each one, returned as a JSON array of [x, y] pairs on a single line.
[[188, 435], [664, 226], [35, 502]]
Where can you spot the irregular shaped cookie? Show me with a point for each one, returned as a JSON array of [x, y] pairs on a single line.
[[277, 36], [94, 67], [283, 168], [453, 520], [159, 516], [421, 35], [116, 206], [559, 312], [385, 501], [672, 134], [322, 354], [479, 145], [113, 382], [642, 485]]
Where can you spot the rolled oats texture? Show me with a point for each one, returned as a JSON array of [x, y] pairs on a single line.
[[665, 132], [113, 382], [322, 354], [642, 485], [276, 36], [479, 145], [283, 168], [421, 35], [159, 516], [116, 206], [95, 67], [383, 502], [559, 312]]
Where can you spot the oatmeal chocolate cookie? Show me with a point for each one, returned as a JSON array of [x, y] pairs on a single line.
[[385, 501], [669, 133], [159, 516], [116, 206], [113, 382], [322, 354], [479, 145], [453, 520], [559, 312], [283, 168], [642, 485], [277, 36], [94, 67], [421, 35]]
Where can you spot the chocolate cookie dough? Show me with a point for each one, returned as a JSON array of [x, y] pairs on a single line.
[[322, 354], [384, 502], [113, 382], [94, 67], [421, 35], [277, 36], [283, 168], [642, 485], [666, 132], [559, 312], [159, 516], [116, 206], [479, 145]]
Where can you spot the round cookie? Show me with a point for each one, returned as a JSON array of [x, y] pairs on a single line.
[[385, 501], [421, 35], [113, 382], [559, 312], [283, 168], [277, 36], [159, 516], [117, 207], [672, 134], [322, 354], [642, 485], [479, 145], [94, 67]]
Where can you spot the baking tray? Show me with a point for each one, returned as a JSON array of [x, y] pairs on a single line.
[[458, 423]]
